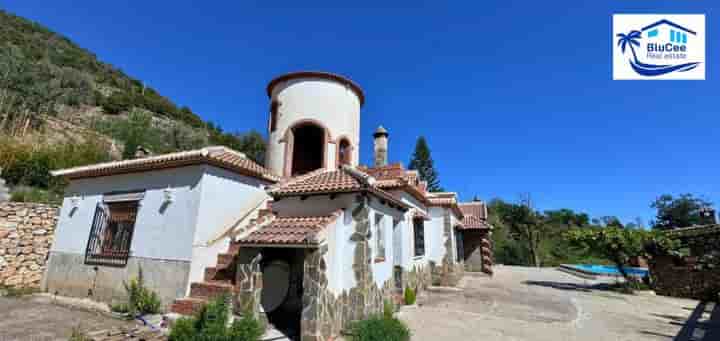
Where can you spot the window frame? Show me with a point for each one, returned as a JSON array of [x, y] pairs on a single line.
[[274, 108], [380, 247], [114, 223], [344, 152], [418, 235]]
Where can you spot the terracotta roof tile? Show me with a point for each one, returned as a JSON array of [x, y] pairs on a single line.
[[219, 156], [475, 215], [394, 176], [343, 180], [476, 208], [291, 231], [471, 222], [445, 199]]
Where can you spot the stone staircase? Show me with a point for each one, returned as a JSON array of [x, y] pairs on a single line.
[[219, 279]]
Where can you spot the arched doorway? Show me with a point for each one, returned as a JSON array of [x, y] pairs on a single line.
[[308, 148], [282, 289]]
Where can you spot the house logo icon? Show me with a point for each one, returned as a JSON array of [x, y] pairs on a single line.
[[658, 46]]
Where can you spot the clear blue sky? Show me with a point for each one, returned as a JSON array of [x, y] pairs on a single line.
[[513, 96]]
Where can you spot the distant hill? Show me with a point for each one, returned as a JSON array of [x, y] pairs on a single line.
[[53, 92], [48, 69]]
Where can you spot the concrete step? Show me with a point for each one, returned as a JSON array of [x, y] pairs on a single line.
[[187, 306], [210, 273], [224, 259], [208, 290], [264, 212], [234, 248]]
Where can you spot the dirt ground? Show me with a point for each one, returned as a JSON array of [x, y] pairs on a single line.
[[521, 303], [516, 304], [37, 318]]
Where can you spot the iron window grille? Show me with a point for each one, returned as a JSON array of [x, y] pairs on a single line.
[[111, 233], [419, 234]]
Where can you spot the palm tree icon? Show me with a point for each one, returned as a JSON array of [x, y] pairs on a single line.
[[629, 39]]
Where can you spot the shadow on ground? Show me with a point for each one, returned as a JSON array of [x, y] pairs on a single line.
[[571, 286], [702, 325]]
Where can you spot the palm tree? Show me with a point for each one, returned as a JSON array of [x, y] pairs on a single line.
[[629, 39]]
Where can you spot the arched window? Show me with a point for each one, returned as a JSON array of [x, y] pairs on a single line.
[[344, 152], [274, 106], [308, 148]]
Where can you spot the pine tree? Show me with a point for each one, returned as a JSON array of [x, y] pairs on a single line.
[[422, 162]]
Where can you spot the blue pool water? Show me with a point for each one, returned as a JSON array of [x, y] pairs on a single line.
[[610, 270]]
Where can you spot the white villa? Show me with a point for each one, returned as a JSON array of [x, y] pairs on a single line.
[[310, 243]]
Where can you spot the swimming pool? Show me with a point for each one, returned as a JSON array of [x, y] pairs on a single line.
[[604, 270]]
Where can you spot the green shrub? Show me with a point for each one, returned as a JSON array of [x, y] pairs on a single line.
[[379, 328], [211, 323], [26, 166], [34, 194], [120, 308], [17, 292], [246, 329], [409, 296], [141, 300], [388, 309], [183, 330]]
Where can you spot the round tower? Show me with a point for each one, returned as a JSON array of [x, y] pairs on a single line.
[[314, 122]]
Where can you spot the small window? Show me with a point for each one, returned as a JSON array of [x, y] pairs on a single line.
[[419, 234], [344, 152], [111, 233], [379, 237], [459, 245], [274, 106]]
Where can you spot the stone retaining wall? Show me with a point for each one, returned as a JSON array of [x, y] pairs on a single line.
[[26, 234], [670, 279], [694, 276]]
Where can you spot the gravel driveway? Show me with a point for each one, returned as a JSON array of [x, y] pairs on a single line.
[[521, 303]]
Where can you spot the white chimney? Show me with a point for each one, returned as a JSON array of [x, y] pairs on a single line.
[[381, 145]]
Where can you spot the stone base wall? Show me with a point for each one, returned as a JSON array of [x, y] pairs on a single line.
[[419, 278], [68, 275], [477, 251], [326, 314], [26, 234], [686, 281]]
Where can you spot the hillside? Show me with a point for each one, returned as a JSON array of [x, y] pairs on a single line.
[[57, 97]]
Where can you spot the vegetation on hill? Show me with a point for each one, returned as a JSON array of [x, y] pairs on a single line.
[[45, 76], [40, 69], [42, 72], [523, 236]]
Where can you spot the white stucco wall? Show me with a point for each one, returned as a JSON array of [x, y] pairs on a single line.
[[434, 235], [407, 238], [382, 271], [333, 104], [341, 249], [224, 198], [206, 201], [312, 206], [161, 231]]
